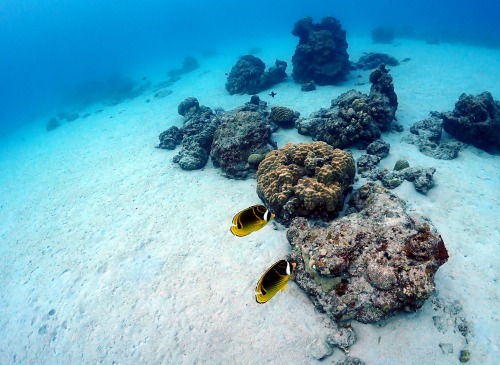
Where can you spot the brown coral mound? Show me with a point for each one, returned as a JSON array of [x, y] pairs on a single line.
[[371, 263], [306, 180], [283, 116]]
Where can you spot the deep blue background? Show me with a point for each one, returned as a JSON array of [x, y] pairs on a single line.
[[50, 47]]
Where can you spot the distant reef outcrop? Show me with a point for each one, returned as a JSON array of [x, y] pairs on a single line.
[[475, 120], [248, 75], [321, 55]]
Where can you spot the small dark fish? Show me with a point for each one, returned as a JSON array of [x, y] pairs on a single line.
[[274, 280], [250, 220], [406, 59], [272, 94], [226, 74]]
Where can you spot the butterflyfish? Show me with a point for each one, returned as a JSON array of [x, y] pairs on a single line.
[[274, 280], [250, 220]]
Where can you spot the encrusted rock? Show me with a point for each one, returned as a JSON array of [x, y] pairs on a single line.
[[378, 148], [187, 105], [370, 264], [306, 179], [343, 338], [355, 118], [367, 165], [401, 165], [475, 120], [198, 131], [422, 178], [390, 179], [426, 135], [240, 135], [170, 138]]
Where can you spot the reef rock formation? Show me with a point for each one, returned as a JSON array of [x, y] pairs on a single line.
[[321, 55], [372, 60], [170, 138], [355, 118], [248, 75], [283, 116], [198, 131], [241, 141], [475, 120], [306, 179], [426, 135], [383, 101], [372, 263]]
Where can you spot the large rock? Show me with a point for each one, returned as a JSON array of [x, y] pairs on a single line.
[[475, 120], [241, 136], [321, 55], [198, 131], [370, 264], [355, 118], [248, 75], [306, 179]]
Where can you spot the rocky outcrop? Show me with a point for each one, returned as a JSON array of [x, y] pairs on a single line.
[[355, 118], [370, 264], [475, 120], [321, 55], [241, 141], [198, 131], [248, 75]]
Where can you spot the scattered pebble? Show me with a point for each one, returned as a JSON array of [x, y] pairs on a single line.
[[464, 356], [319, 350]]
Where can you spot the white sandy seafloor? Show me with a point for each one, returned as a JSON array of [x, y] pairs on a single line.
[[112, 254]]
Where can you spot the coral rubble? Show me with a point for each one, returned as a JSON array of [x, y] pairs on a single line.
[[426, 135], [370, 264], [321, 55], [307, 180]]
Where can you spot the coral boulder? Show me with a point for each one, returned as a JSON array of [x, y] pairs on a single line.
[[371, 263], [307, 180]]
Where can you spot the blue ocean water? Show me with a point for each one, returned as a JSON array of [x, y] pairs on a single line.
[[57, 52]]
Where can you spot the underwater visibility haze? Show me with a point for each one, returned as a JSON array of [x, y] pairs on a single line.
[[221, 182]]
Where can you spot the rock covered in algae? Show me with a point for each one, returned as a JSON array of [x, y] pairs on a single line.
[[198, 131], [475, 120], [239, 136], [370, 264], [306, 180], [354, 118]]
